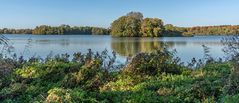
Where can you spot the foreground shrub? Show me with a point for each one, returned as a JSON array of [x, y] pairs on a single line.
[[232, 50], [12, 91], [231, 99], [59, 95], [87, 77], [232, 86], [151, 64], [153, 77], [51, 71]]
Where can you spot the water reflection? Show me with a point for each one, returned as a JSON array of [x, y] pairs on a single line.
[[132, 46], [62, 42]]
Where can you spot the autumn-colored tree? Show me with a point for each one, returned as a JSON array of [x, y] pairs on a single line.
[[118, 27], [152, 27], [127, 26], [213, 30]]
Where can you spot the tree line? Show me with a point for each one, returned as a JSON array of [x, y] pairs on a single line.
[[58, 30], [213, 30], [15, 31], [66, 29], [132, 24]]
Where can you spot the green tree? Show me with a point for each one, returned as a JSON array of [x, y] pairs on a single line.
[[99, 31], [136, 15], [169, 27], [171, 30], [127, 26], [152, 27], [66, 29]]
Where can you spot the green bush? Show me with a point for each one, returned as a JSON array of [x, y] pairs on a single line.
[[59, 95], [231, 99], [12, 91], [151, 64], [87, 78]]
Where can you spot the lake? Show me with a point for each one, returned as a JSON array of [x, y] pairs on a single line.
[[43, 45]]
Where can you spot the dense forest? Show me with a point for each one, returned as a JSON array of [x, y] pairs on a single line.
[[59, 30]]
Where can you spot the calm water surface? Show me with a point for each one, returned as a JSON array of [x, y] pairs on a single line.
[[43, 45]]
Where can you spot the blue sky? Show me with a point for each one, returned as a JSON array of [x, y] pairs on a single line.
[[30, 13]]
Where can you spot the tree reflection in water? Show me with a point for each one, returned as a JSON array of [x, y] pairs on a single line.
[[131, 46]]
